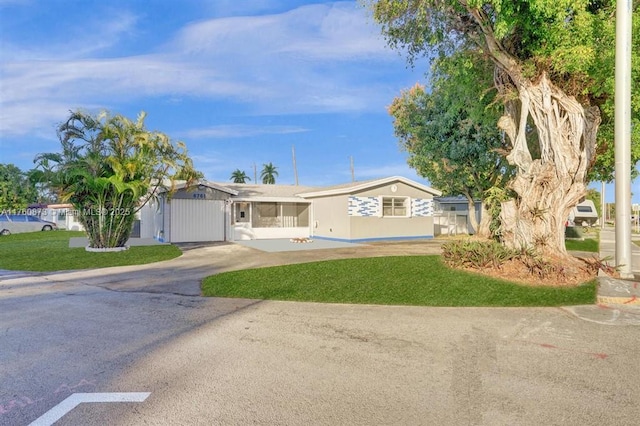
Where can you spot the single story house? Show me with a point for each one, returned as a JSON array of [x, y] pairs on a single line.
[[380, 209]]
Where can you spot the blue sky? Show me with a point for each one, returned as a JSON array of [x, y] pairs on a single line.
[[239, 81]]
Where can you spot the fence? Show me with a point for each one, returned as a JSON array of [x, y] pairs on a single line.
[[450, 223]]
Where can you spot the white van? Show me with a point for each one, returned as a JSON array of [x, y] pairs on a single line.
[[16, 223], [584, 214]]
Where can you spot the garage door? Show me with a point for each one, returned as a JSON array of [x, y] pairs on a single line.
[[197, 220]]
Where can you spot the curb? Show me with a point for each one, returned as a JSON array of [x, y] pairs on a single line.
[[625, 301], [613, 291]]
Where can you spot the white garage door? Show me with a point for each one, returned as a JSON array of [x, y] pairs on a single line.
[[197, 220]]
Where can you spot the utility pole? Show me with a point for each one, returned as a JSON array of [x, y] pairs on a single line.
[[255, 173], [623, 137], [603, 205], [353, 174], [295, 169]]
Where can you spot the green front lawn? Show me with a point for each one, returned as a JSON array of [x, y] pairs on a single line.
[[587, 244], [401, 280], [49, 251]]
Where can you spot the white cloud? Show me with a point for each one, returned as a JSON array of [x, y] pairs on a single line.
[[343, 33], [240, 131], [111, 30], [34, 93], [313, 59], [107, 30], [335, 31], [37, 118]]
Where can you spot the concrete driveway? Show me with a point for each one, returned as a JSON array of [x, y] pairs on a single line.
[[144, 329]]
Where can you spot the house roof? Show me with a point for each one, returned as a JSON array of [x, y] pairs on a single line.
[[298, 193], [260, 192], [458, 199], [352, 187], [205, 183]]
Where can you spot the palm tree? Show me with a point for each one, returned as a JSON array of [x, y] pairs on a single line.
[[239, 176], [269, 173], [109, 168]]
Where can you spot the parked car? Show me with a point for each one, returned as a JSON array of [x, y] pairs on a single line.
[[16, 223]]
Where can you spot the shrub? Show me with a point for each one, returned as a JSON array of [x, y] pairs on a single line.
[[596, 264], [573, 232], [476, 254], [539, 266]]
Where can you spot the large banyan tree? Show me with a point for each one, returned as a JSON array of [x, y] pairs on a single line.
[[553, 69]]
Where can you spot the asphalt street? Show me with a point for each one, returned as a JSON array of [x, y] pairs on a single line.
[[235, 362]]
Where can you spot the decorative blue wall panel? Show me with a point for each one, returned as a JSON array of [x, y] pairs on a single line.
[[364, 206], [421, 207], [370, 206]]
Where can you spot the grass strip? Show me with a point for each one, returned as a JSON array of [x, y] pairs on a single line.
[[49, 251], [588, 245], [399, 280]]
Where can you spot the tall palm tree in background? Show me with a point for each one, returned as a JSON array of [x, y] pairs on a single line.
[[239, 176], [269, 173]]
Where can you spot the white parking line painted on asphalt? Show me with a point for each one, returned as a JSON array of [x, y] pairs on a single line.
[[72, 401]]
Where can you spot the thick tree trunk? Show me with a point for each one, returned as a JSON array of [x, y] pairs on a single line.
[[548, 186], [484, 228], [471, 208], [480, 229]]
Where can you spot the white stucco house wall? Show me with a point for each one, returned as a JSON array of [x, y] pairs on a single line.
[[393, 208]]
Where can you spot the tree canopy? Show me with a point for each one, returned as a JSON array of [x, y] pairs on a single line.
[[17, 190], [571, 41], [553, 70], [450, 132], [109, 167]]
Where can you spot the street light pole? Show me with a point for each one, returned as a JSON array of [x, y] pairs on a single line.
[[603, 206], [623, 137]]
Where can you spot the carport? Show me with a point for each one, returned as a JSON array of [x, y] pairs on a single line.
[[194, 213], [197, 220]]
